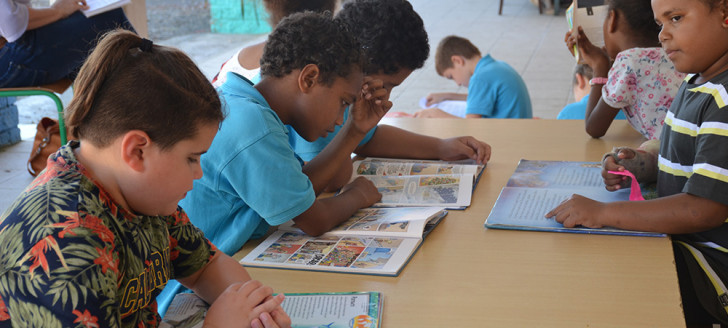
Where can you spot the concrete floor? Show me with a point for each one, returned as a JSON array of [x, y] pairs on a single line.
[[531, 43]]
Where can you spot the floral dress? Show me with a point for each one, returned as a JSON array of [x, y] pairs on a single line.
[[643, 82], [71, 257]]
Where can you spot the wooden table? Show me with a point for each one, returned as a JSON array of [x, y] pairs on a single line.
[[467, 276]]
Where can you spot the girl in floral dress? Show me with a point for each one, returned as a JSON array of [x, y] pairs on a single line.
[[641, 82]]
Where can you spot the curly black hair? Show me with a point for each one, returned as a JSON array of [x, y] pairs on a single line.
[[638, 15], [278, 9], [391, 33], [311, 38]]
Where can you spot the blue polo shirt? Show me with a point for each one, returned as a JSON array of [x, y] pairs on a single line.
[[577, 111], [496, 90], [251, 179]]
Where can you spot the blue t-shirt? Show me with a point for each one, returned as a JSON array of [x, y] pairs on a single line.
[[577, 111], [307, 150], [251, 179], [496, 90]]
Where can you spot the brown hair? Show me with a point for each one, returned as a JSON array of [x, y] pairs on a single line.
[[278, 9], [128, 84], [453, 46]]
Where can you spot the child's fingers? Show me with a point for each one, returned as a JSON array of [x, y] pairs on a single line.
[[268, 305], [281, 318]]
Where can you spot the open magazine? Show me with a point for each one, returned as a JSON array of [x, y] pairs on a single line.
[[306, 310], [377, 241], [536, 187], [420, 183], [590, 15]]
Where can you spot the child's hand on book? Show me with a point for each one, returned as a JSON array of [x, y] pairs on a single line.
[[244, 303], [365, 188], [373, 104], [458, 148], [577, 211]]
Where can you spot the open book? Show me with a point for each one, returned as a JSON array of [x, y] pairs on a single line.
[[420, 183], [377, 241], [590, 15], [335, 310], [536, 187], [101, 6]]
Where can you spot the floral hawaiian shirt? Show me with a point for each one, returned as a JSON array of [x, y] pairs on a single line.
[[643, 82], [71, 257]]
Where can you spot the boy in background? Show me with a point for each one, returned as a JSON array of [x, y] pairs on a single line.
[[394, 43], [495, 89], [581, 88]]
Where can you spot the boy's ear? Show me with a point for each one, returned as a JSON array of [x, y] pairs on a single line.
[[134, 145], [457, 60], [308, 77], [581, 81]]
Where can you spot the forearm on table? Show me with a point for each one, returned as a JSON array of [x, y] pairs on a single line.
[[393, 142], [215, 277], [676, 214], [327, 213]]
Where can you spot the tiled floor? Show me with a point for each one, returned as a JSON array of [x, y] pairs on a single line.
[[531, 43]]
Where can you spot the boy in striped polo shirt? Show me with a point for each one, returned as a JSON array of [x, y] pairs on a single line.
[[691, 167]]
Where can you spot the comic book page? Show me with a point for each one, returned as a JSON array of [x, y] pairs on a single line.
[[452, 191], [306, 310], [395, 167], [384, 221], [350, 254], [536, 187]]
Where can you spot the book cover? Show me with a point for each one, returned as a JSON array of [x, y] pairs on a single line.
[[536, 187], [590, 15], [306, 310], [419, 182], [377, 241]]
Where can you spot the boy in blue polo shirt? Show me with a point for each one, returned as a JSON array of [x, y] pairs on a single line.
[[252, 179], [495, 89]]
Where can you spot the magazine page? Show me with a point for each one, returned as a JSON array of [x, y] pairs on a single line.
[[524, 209], [395, 167], [351, 254], [335, 310], [557, 175], [450, 191], [187, 310], [385, 221]]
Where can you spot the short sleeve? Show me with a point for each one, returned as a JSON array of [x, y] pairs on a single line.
[[481, 97], [66, 277], [268, 177], [621, 88], [13, 19], [189, 249], [710, 169]]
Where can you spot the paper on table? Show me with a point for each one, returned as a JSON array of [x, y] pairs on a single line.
[[96, 7]]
